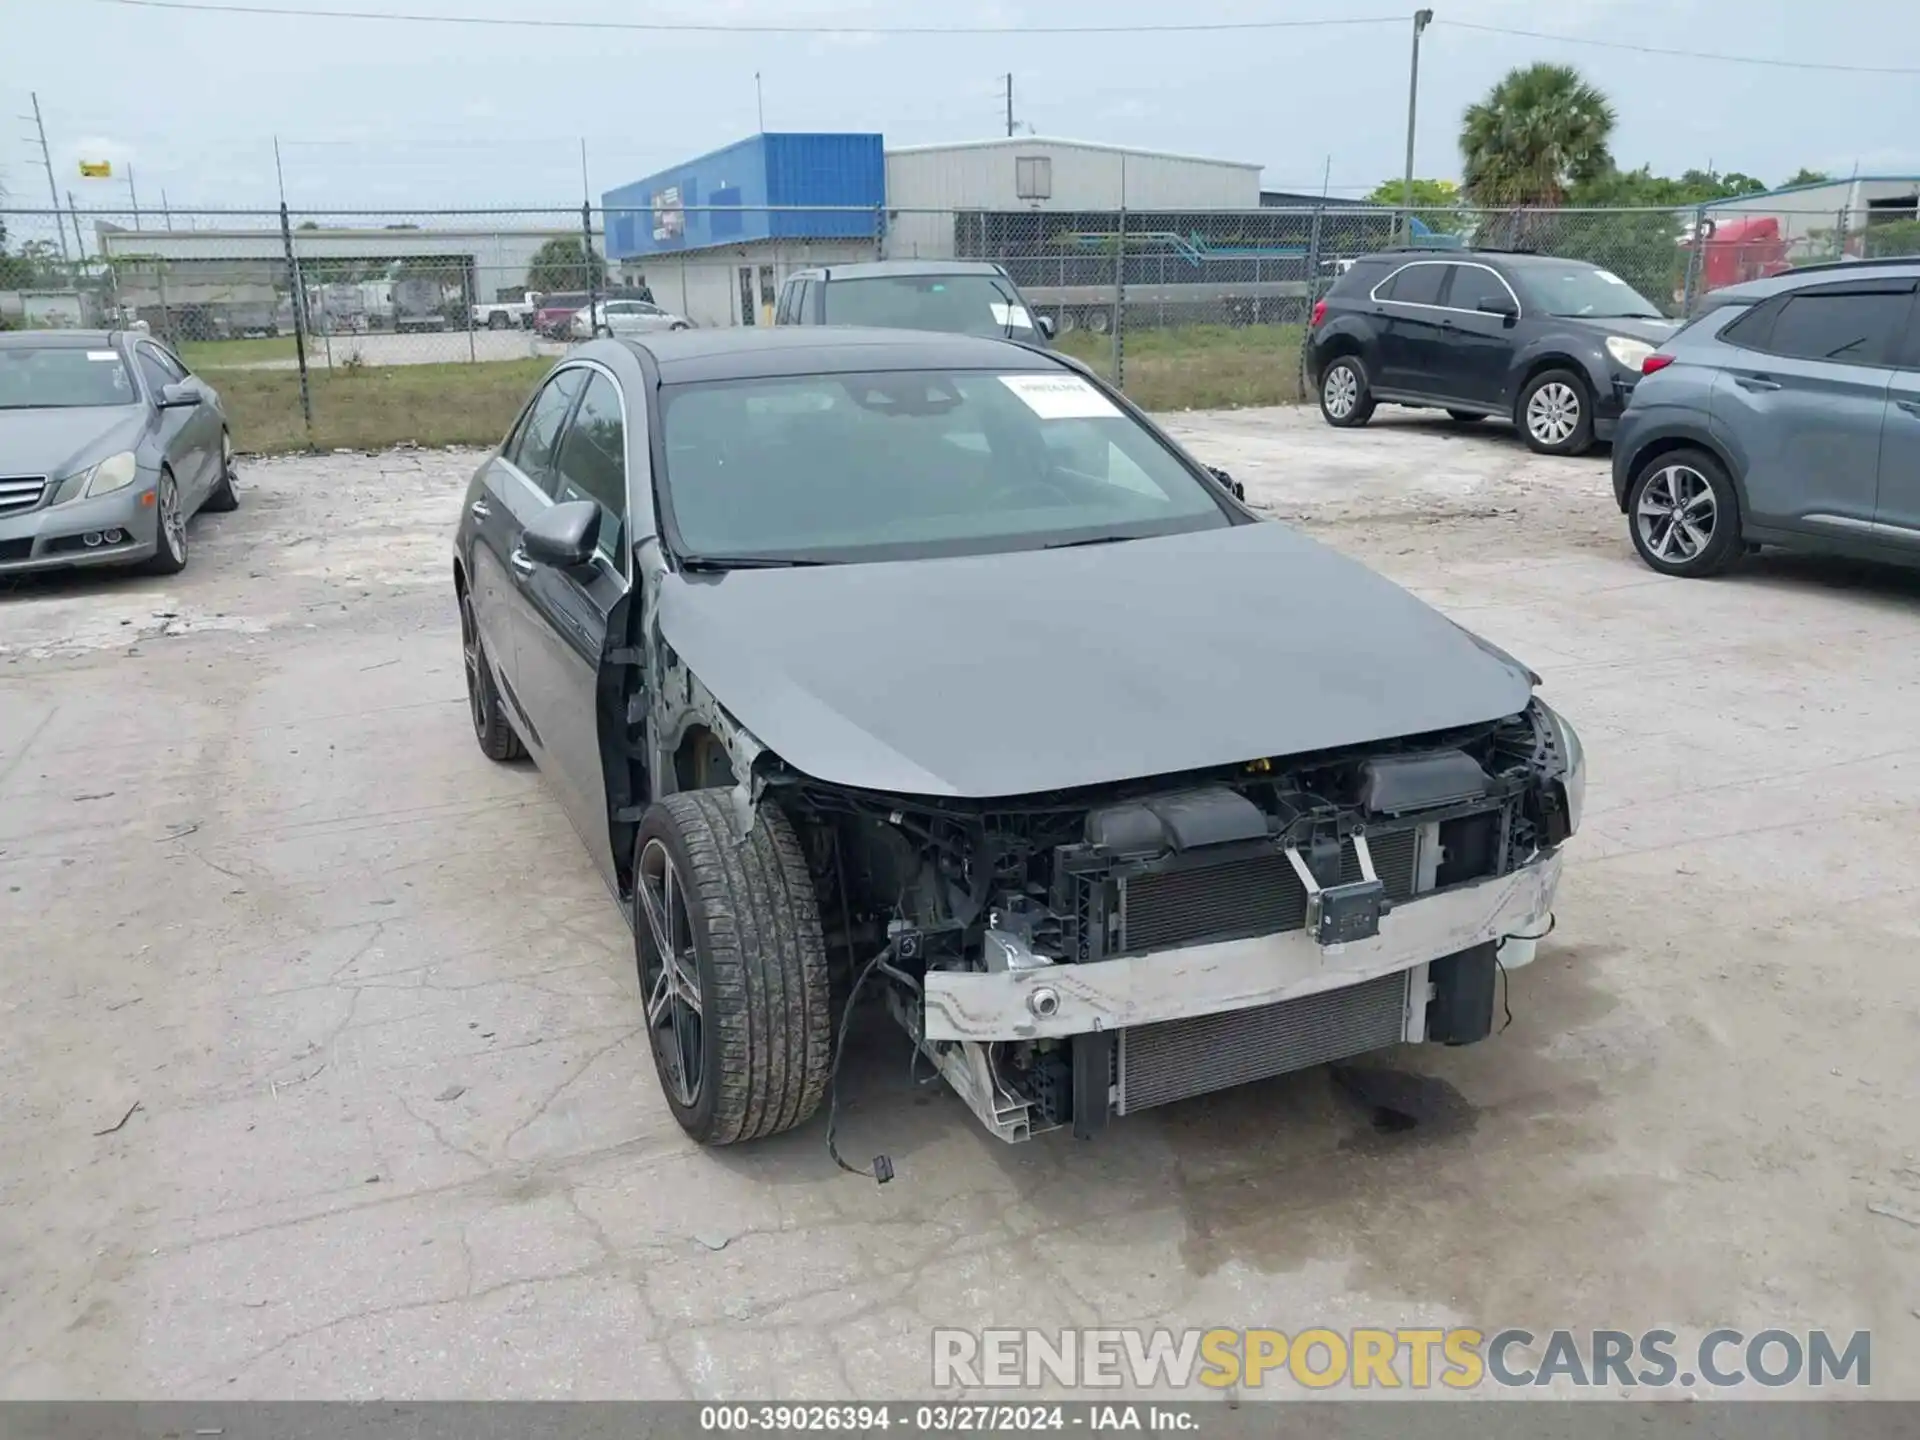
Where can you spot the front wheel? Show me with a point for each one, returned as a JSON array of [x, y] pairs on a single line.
[[1683, 515], [733, 969], [224, 498], [169, 528], [1555, 414], [1345, 400]]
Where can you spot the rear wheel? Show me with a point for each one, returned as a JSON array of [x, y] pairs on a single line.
[[1683, 515], [1098, 321], [1345, 400], [733, 969]]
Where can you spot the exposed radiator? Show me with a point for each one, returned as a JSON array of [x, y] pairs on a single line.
[[1254, 895], [1176, 1059]]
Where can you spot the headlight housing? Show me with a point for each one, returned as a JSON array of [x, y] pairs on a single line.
[[1574, 781], [116, 472], [1627, 352]]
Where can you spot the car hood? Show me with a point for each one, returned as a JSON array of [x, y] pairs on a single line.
[[59, 440], [1010, 674], [1654, 332]]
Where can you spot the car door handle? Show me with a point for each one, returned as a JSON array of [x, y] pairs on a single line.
[[521, 563], [1912, 407], [1755, 382], [480, 510]]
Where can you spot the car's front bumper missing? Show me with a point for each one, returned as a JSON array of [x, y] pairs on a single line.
[[1055, 1001]]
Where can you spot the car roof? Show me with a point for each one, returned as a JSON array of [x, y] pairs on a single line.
[[869, 269], [59, 339], [1838, 272], [750, 352]]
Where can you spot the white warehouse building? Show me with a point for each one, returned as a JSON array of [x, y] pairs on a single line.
[[926, 183]]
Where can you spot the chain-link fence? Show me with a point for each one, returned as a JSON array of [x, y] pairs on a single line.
[[367, 328]]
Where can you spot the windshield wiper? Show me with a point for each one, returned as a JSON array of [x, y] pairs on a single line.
[[711, 564], [1090, 540]]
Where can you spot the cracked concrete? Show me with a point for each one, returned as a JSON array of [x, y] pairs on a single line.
[[399, 1134]]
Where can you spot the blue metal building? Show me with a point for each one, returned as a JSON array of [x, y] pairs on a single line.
[[752, 182]]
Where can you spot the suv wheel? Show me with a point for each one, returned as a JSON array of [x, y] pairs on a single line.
[[1345, 400], [1555, 414], [1683, 514]]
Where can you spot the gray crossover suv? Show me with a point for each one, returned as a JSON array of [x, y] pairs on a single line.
[[1787, 413]]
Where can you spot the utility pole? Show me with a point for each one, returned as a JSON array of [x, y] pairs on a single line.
[[166, 210], [279, 174], [1010, 105], [53, 189], [759, 104], [134, 195], [1421, 19]]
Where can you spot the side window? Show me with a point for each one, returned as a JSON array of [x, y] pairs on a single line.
[[157, 370], [592, 463], [532, 448], [1852, 329], [1473, 284], [1416, 285], [810, 301], [1752, 329], [783, 312]]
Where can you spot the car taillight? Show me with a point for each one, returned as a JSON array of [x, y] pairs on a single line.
[[1319, 314], [1655, 362]]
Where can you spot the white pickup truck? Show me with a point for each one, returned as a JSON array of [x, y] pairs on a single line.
[[506, 314]]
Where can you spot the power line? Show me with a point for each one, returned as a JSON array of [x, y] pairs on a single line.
[[1682, 54], [716, 27]]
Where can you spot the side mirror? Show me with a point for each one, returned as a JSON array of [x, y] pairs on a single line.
[[178, 395], [1502, 307], [1045, 322], [1233, 486], [565, 536]]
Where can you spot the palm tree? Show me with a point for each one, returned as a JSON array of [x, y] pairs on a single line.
[[1540, 131]]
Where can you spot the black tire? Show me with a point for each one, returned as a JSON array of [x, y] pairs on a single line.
[[763, 1040], [1695, 483], [1346, 400], [224, 499], [485, 707], [169, 541], [1465, 417], [1549, 433]]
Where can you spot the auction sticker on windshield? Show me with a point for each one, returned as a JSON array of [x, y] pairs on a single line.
[[1060, 397], [1011, 316], [103, 354]]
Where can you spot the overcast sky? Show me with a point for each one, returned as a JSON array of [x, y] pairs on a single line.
[[412, 116]]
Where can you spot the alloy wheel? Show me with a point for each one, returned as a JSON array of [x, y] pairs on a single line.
[[470, 656], [669, 974], [173, 523], [1341, 391], [1553, 413], [1676, 514]]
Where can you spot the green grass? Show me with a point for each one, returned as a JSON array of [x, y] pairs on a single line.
[[375, 407], [219, 354], [1192, 367], [1201, 367]]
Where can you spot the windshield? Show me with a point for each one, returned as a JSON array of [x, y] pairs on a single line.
[[906, 463], [958, 304], [63, 376], [1568, 289]]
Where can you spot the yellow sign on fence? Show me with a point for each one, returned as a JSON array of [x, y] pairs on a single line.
[[96, 169]]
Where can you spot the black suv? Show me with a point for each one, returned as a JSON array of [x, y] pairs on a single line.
[[1555, 345], [963, 297]]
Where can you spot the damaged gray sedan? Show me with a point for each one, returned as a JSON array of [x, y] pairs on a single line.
[[927, 665]]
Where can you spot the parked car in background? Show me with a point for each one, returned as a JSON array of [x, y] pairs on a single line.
[[507, 314], [1788, 413], [756, 600], [624, 317], [554, 318], [108, 445], [1554, 345], [960, 297]]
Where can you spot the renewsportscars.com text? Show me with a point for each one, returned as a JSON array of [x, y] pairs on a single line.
[[1405, 1358]]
